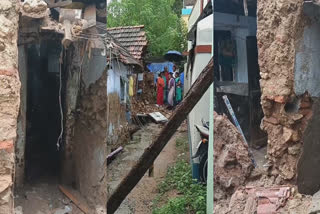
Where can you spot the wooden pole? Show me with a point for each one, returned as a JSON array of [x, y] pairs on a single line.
[[199, 87]]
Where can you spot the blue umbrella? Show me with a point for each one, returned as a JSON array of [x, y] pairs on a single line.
[[173, 56]]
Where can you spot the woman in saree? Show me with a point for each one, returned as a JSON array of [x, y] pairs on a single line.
[[178, 89], [171, 88], [160, 89]]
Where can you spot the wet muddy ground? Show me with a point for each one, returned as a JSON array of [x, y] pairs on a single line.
[[139, 201]]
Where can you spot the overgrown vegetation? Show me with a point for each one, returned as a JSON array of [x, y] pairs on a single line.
[[191, 196], [164, 28]]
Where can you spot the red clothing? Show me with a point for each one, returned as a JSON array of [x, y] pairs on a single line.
[[160, 87], [167, 77]]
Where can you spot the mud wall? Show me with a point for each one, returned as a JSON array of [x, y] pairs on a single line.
[[90, 131], [118, 129], [22, 120], [9, 99], [280, 27], [72, 66]]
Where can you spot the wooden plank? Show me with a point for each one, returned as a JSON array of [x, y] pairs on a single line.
[[195, 93], [74, 199]]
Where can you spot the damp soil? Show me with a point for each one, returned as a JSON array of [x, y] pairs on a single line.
[[139, 201], [43, 197]]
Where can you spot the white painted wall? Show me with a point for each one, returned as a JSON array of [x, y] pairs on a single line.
[[119, 70], [201, 110], [196, 11]]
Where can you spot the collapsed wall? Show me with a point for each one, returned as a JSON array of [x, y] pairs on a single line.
[[232, 163], [280, 27], [9, 98]]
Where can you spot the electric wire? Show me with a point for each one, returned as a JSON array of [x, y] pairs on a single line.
[[60, 104]]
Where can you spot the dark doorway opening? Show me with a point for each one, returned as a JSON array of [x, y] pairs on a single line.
[[43, 111]]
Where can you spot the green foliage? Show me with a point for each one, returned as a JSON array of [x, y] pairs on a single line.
[[177, 7], [193, 198], [164, 28], [182, 145]]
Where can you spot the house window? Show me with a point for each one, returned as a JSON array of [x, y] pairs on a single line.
[[227, 59]]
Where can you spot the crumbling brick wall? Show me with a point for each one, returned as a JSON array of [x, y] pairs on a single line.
[[280, 26], [9, 98]]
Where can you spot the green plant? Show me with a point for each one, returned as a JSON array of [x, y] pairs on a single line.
[[182, 144], [164, 28], [192, 199]]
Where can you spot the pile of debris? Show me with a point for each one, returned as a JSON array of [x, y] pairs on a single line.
[[149, 90], [232, 162], [145, 107], [239, 188]]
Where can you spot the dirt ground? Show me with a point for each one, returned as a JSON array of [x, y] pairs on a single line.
[[139, 201], [43, 197]]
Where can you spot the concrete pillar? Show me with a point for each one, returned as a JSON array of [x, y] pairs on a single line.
[[9, 99]]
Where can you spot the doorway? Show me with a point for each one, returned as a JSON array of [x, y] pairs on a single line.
[[43, 117]]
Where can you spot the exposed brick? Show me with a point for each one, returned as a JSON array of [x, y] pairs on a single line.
[[7, 145], [305, 104], [9, 72], [280, 99], [305, 112], [309, 115]]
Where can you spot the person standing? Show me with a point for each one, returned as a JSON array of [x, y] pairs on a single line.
[[160, 89], [178, 89], [165, 94], [166, 75], [175, 71], [171, 88]]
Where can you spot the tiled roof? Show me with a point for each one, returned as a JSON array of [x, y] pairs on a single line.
[[189, 2], [111, 43], [133, 38]]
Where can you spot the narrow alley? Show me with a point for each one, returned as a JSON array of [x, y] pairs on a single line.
[[141, 198]]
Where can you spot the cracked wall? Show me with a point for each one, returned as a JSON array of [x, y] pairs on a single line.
[[287, 114], [90, 143], [9, 99], [86, 125]]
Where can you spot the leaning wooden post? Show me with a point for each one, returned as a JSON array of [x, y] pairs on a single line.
[[199, 87]]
